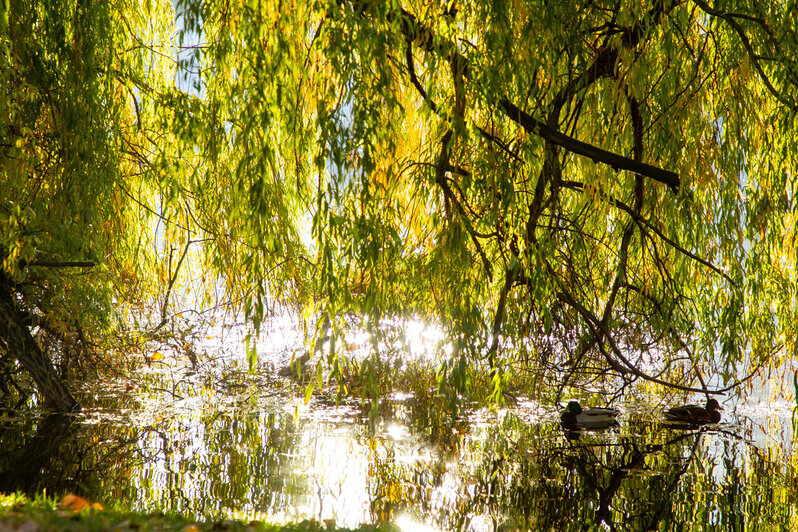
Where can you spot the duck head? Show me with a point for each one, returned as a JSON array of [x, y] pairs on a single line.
[[574, 407], [713, 411]]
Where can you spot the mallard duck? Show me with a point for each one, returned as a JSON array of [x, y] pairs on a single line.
[[694, 414], [574, 417]]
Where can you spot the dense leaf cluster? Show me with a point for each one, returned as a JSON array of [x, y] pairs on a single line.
[[602, 186]]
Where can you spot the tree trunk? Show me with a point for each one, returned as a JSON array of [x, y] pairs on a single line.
[[15, 333]]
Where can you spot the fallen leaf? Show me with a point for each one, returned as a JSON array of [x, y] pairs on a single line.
[[156, 357], [76, 503]]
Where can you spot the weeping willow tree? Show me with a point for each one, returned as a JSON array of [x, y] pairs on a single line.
[[65, 121], [116, 175], [86, 90], [601, 187], [596, 186]]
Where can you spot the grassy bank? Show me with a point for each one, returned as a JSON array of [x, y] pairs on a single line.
[[18, 512]]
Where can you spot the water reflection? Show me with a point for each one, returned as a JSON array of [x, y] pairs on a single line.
[[273, 458], [58, 453], [32, 451]]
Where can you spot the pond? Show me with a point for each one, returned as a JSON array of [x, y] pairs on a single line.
[[253, 449]]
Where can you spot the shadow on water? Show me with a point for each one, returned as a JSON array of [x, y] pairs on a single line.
[[506, 470]]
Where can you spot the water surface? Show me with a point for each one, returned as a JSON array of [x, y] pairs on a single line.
[[251, 448]]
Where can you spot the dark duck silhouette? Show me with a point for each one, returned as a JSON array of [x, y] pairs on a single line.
[[694, 414]]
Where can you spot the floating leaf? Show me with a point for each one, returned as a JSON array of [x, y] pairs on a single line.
[[309, 392]]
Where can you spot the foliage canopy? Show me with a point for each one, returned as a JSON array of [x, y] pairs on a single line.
[[574, 185]]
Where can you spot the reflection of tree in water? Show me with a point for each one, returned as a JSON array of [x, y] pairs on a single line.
[[605, 480], [240, 460], [396, 486], [627, 484], [650, 479], [60, 455], [530, 477], [192, 466], [27, 455]]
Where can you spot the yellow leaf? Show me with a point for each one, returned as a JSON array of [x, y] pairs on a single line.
[[156, 357]]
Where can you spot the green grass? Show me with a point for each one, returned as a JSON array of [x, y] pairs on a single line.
[[46, 513]]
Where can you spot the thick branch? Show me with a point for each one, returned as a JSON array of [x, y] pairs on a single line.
[[440, 178], [411, 69], [639, 219], [730, 19], [619, 162], [59, 264], [172, 279], [498, 318], [628, 232]]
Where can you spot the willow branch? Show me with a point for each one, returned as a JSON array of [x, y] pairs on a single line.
[[59, 264], [440, 178], [731, 21], [600, 331], [575, 185], [599, 155]]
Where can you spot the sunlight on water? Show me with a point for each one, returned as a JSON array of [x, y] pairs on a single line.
[[409, 524], [248, 446], [199, 456], [425, 340], [280, 337]]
